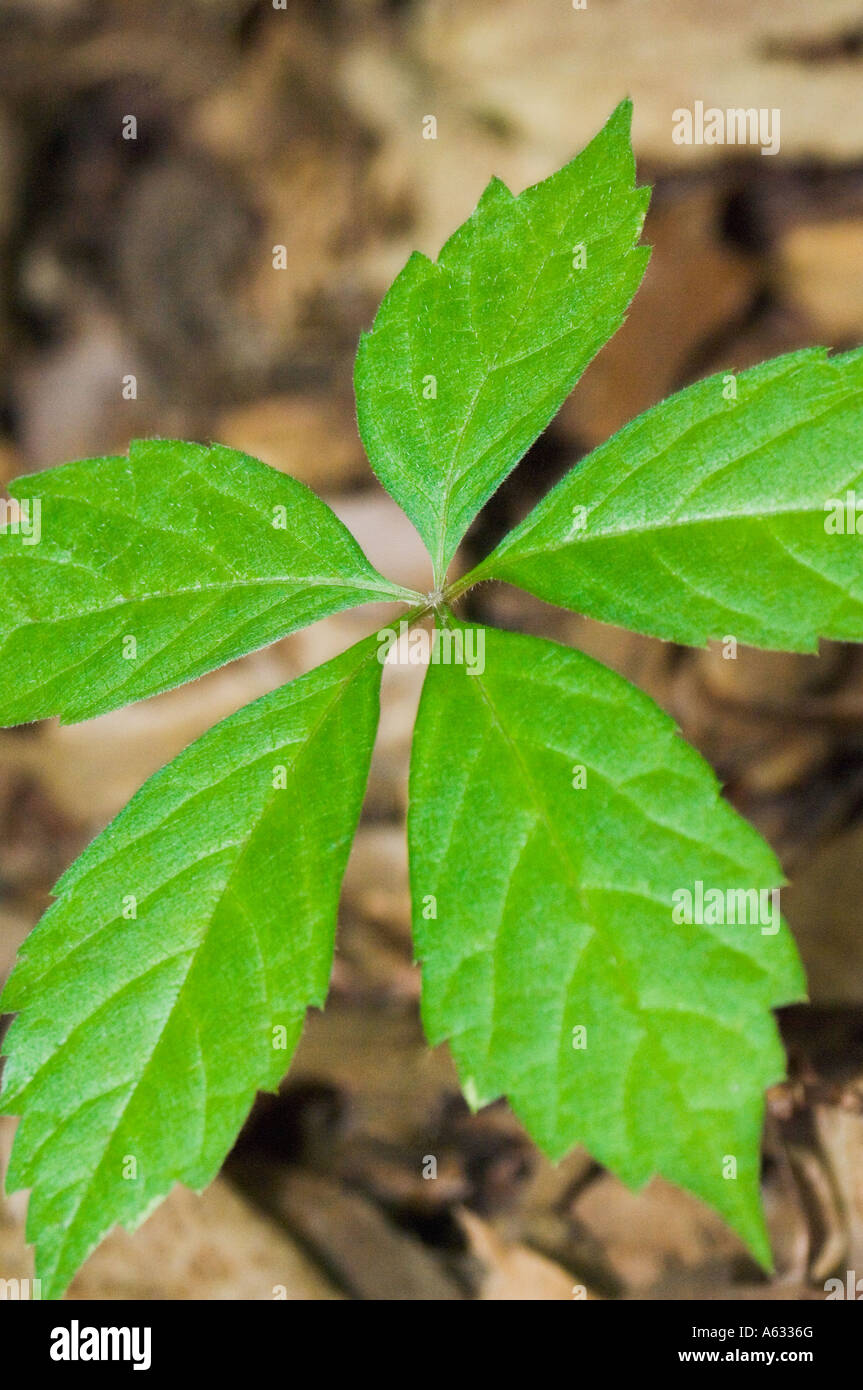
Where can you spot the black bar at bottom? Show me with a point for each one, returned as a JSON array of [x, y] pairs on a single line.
[[88, 1339]]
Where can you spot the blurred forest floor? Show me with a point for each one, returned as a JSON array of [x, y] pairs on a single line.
[[153, 257]]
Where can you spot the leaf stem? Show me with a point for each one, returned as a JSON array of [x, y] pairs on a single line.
[[461, 586], [397, 592]]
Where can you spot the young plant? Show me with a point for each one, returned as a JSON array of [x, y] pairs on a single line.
[[597, 928]]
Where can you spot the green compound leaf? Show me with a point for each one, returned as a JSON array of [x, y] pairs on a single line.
[[198, 554], [471, 356], [543, 906], [170, 980], [722, 511]]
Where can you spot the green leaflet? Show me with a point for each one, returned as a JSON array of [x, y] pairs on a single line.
[[471, 356], [707, 516], [554, 909], [145, 1037], [176, 547]]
